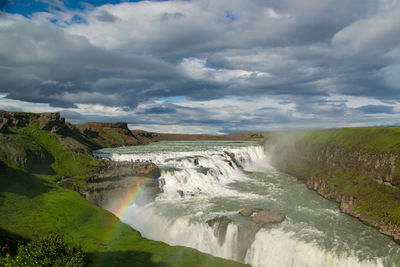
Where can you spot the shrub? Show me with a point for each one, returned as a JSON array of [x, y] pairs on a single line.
[[50, 250]]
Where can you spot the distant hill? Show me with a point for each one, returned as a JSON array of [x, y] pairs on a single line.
[[166, 136]]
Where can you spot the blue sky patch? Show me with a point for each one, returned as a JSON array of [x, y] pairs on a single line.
[[26, 8], [174, 99]]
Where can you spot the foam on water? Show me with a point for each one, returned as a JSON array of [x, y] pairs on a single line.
[[198, 173], [277, 248]]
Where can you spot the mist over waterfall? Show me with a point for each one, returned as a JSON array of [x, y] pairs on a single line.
[[203, 180]]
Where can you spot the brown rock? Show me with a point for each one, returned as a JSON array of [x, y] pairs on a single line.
[[220, 225], [52, 122], [246, 212], [246, 235], [268, 216]]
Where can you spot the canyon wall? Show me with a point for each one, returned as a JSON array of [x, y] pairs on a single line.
[[357, 167]]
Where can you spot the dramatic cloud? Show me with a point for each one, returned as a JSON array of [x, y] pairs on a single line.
[[213, 66]]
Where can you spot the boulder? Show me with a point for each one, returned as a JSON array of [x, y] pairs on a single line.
[[220, 226], [232, 156], [181, 193], [267, 216]]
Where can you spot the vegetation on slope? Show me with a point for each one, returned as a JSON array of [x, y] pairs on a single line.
[[379, 139], [33, 205], [48, 250]]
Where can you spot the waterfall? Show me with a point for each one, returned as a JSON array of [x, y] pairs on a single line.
[[197, 173], [202, 184]]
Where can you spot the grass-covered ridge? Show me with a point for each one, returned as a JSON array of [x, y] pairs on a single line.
[[380, 139], [357, 167], [33, 155]]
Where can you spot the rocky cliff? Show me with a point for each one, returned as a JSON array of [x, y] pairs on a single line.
[[357, 167], [111, 134], [47, 121], [34, 141]]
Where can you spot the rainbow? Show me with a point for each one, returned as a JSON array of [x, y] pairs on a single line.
[[135, 192]]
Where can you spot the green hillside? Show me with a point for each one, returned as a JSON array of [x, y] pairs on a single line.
[[32, 158]]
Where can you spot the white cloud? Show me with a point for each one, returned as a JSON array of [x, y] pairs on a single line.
[[89, 97], [369, 36], [197, 69]]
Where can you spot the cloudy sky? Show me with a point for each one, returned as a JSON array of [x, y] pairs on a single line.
[[204, 66]]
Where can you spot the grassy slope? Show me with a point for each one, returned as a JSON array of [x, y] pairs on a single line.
[[380, 139], [378, 202], [32, 204]]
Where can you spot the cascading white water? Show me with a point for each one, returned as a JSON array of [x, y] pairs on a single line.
[[197, 173], [200, 181], [269, 246]]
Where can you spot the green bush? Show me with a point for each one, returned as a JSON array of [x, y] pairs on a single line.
[[50, 250]]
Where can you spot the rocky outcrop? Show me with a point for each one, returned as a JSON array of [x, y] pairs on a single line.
[[147, 135], [383, 167], [268, 216], [246, 212], [220, 226], [54, 123], [348, 204], [107, 134], [247, 231], [13, 119], [47, 121], [106, 185], [232, 162], [246, 235]]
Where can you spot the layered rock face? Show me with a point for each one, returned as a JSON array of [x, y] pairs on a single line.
[[23, 153], [47, 121], [54, 123], [13, 119], [383, 167], [362, 174]]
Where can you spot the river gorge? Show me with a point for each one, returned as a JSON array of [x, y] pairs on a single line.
[[203, 180]]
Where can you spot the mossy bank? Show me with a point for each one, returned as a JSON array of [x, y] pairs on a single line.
[[357, 167], [35, 151]]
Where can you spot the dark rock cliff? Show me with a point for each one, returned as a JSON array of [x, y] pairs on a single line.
[[47, 121]]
